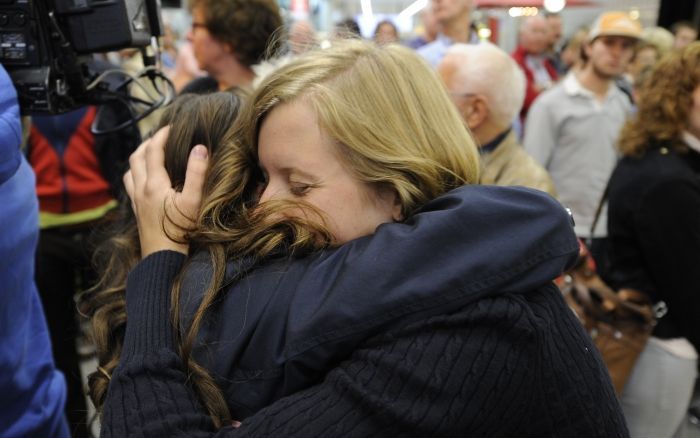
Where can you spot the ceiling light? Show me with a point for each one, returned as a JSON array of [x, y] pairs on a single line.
[[554, 6]]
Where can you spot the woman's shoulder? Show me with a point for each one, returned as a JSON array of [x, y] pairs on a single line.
[[660, 166], [661, 159]]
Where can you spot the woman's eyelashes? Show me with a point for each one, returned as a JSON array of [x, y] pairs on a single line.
[[299, 189]]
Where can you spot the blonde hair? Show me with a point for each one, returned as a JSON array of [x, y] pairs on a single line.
[[387, 111], [393, 124]]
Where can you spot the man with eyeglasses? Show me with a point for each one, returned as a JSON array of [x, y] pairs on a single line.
[[488, 89]]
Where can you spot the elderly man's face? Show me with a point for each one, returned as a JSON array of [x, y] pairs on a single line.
[[534, 35]]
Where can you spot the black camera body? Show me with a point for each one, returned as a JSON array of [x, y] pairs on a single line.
[[44, 45]]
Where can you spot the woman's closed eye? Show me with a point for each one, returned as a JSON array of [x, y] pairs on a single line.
[[299, 189]]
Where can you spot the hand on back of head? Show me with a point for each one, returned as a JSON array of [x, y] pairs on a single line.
[[153, 198]]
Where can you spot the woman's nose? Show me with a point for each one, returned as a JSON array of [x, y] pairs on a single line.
[[269, 192]]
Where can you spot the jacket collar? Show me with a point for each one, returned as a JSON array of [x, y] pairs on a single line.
[[493, 144], [574, 88]]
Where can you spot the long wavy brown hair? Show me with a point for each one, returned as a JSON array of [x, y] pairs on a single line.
[[227, 227], [394, 126], [194, 120], [664, 104]]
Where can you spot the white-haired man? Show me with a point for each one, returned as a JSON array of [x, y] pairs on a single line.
[[488, 89], [454, 20], [572, 129]]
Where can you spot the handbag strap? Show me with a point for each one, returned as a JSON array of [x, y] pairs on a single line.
[[596, 296], [629, 298], [598, 211]]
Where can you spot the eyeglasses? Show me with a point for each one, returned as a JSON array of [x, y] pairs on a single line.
[[456, 94]]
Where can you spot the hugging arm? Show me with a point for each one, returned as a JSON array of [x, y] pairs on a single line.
[[148, 395], [148, 391]]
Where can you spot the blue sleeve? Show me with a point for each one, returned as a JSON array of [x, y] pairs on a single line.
[[10, 128]]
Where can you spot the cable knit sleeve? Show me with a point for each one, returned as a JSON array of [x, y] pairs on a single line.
[[438, 376], [147, 395], [500, 367]]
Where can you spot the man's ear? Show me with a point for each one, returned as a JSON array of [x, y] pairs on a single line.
[[476, 113]]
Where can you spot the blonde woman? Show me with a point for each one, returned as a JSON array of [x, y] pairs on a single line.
[[432, 313]]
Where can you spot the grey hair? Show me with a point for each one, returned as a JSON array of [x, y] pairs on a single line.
[[487, 70]]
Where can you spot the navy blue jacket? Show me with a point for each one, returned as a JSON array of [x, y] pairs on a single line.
[[285, 325], [445, 325]]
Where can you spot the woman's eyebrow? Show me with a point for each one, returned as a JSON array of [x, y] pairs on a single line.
[[296, 171]]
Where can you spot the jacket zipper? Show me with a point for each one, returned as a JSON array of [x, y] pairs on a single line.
[[64, 184]]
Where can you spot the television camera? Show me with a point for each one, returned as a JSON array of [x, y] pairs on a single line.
[[47, 47]]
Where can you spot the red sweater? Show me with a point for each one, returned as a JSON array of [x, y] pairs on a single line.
[[531, 92]]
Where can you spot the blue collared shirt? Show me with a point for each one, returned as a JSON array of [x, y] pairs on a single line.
[[434, 52]]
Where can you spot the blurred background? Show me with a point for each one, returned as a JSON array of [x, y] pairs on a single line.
[[496, 19]]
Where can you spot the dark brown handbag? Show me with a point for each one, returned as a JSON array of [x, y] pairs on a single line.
[[620, 324]]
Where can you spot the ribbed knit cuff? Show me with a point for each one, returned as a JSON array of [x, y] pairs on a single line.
[[148, 288]]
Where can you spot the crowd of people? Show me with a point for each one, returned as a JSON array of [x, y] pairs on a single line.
[[359, 239]]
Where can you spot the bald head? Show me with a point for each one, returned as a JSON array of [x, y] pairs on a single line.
[[534, 35], [302, 36], [484, 69]]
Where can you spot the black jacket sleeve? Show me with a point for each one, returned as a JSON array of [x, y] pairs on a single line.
[[500, 368], [403, 382], [435, 376], [669, 234]]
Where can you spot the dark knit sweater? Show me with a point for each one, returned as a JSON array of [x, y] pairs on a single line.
[[513, 362]]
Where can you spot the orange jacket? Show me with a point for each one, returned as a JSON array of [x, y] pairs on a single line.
[[62, 153]]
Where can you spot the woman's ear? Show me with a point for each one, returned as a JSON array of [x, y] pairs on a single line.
[[396, 207], [390, 202]]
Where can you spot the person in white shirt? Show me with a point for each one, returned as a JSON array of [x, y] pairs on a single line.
[[572, 129]]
